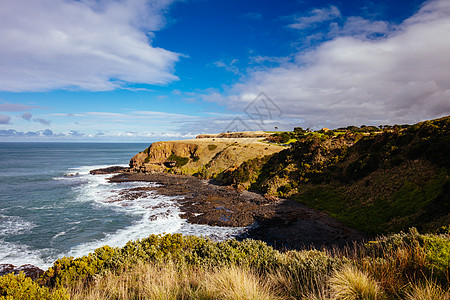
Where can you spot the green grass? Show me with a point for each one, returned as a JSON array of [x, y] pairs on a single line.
[[413, 203]]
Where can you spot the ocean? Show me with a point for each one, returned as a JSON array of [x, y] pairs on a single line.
[[50, 206]]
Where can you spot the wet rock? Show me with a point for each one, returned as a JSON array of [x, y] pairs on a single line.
[[109, 170], [30, 271], [282, 223]]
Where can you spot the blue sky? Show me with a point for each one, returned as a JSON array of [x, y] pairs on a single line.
[[147, 70]]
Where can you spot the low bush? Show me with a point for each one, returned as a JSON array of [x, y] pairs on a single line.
[[18, 287], [180, 161]]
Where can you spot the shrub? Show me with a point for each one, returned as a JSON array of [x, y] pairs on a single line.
[[17, 287], [191, 250], [212, 147], [180, 161]]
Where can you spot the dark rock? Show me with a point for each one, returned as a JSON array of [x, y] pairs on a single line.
[[109, 170], [30, 271], [282, 223]]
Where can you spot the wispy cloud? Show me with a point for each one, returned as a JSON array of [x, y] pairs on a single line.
[[138, 114], [16, 106], [160, 114], [107, 114], [357, 26], [88, 45], [42, 121], [229, 66], [315, 16], [403, 76]]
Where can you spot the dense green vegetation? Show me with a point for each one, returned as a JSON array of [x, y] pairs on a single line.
[[377, 180], [179, 160], [212, 147], [185, 267]]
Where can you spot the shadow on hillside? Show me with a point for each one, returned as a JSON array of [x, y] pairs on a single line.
[[296, 226]]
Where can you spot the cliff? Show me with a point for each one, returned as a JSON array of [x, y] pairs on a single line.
[[203, 157]]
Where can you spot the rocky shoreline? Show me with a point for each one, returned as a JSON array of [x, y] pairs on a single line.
[[282, 223]]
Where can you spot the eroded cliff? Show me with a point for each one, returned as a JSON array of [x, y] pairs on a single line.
[[204, 157]]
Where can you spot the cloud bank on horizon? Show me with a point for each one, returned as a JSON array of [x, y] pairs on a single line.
[[367, 72], [345, 70]]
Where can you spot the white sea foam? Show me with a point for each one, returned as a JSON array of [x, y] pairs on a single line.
[[19, 254], [152, 214], [13, 225]]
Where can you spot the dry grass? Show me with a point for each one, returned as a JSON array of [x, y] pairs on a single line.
[[299, 285], [349, 283], [144, 281], [236, 283], [165, 282], [427, 291]]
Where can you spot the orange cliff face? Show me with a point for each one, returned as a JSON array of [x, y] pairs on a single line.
[[206, 157]]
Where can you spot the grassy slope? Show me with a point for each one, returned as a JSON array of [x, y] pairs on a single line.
[[377, 183]]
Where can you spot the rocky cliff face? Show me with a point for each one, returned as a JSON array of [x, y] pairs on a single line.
[[205, 157]]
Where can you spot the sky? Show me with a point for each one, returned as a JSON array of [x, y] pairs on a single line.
[[148, 70]]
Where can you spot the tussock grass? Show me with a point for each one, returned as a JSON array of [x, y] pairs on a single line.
[[349, 283], [168, 281], [427, 291], [143, 281], [237, 283]]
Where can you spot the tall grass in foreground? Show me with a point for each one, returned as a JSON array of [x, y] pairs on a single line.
[[427, 291], [146, 281], [351, 283], [400, 266]]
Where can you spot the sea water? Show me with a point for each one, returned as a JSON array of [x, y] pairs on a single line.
[[51, 206]]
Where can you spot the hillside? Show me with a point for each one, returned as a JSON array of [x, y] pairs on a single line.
[[205, 157], [373, 179]]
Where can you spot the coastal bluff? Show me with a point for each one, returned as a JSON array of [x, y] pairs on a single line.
[[205, 156]]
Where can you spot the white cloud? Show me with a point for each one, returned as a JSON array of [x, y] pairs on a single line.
[[357, 26], [27, 116], [4, 119], [316, 16], [402, 77], [86, 44]]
